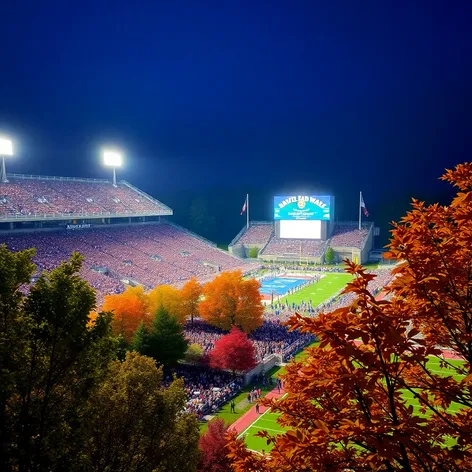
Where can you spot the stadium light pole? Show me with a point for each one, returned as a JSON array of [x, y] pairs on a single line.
[[6, 149], [112, 159]]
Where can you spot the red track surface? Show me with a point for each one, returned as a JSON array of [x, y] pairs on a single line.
[[249, 417]]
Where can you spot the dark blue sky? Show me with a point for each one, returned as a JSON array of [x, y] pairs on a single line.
[[230, 97]]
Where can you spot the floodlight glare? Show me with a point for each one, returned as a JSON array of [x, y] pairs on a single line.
[[112, 158], [6, 147]]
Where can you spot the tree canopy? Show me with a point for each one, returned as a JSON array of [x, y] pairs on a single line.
[[190, 295], [212, 444], [167, 343], [168, 297], [229, 300], [138, 425], [51, 360], [234, 351], [378, 394], [129, 309]]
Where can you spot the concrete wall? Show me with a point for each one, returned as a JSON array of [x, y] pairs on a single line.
[[265, 366]]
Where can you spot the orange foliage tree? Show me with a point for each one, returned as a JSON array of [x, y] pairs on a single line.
[[190, 296], [350, 404], [129, 309], [169, 298], [229, 300]]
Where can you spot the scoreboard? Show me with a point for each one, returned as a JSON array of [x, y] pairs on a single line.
[[302, 207]]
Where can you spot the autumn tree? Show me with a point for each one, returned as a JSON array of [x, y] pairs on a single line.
[[350, 405], [168, 297], [137, 424], [190, 297], [194, 354], [167, 343], [233, 351], [229, 300], [51, 360], [212, 444], [129, 309]]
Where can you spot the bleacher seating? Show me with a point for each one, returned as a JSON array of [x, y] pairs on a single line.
[[149, 254], [349, 236], [256, 234], [295, 247], [49, 197]]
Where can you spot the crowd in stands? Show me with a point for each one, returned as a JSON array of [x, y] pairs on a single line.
[[295, 247], [148, 254], [271, 338], [22, 197], [349, 236], [207, 389], [256, 234]]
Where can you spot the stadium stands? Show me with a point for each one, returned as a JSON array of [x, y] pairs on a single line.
[[56, 197], [148, 254], [256, 234], [295, 247], [349, 236]]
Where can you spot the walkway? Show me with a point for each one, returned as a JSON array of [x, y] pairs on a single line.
[[250, 416]]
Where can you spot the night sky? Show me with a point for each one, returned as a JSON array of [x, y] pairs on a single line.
[[210, 100]]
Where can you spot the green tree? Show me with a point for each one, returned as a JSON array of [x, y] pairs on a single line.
[[167, 343], [253, 252], [329, 256], [138, 425], [194, 354], [55, 361], [16, 269], [140, 342]]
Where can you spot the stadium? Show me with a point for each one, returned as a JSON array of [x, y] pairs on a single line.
[[128, 237]]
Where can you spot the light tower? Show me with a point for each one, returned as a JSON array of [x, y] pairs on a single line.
[[6, 149], [112, 159]]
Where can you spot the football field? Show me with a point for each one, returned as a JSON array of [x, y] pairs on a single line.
[[320, 291]]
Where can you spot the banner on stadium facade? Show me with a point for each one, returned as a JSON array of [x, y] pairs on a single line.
[[302, 207], [81, 226]]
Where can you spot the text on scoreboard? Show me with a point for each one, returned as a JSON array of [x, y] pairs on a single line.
[[302, 207]]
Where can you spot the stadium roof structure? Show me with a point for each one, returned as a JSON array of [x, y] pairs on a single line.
[[36, 198]]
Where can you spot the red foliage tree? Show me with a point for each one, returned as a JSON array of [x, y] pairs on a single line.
[[213, 447], [233, 351], [350, 405]]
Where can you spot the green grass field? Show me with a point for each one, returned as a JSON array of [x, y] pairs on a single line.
[[268, 421], [319, 291]]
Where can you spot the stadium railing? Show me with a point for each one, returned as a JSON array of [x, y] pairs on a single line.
[[145, 195]]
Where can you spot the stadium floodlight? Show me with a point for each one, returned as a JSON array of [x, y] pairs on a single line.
[[6, 149], [112, 159]]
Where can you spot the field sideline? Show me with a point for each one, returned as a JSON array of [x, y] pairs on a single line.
[[320, 291]]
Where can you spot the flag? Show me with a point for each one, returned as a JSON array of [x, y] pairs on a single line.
[[244, 206], [366, 213]]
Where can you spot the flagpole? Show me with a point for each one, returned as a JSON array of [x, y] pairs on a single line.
[[247, 211], [360, 213]]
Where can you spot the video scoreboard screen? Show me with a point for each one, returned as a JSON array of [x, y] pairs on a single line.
[[302, 207]]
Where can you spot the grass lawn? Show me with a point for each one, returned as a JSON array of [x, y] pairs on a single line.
[[241, 403], [320, 291]]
